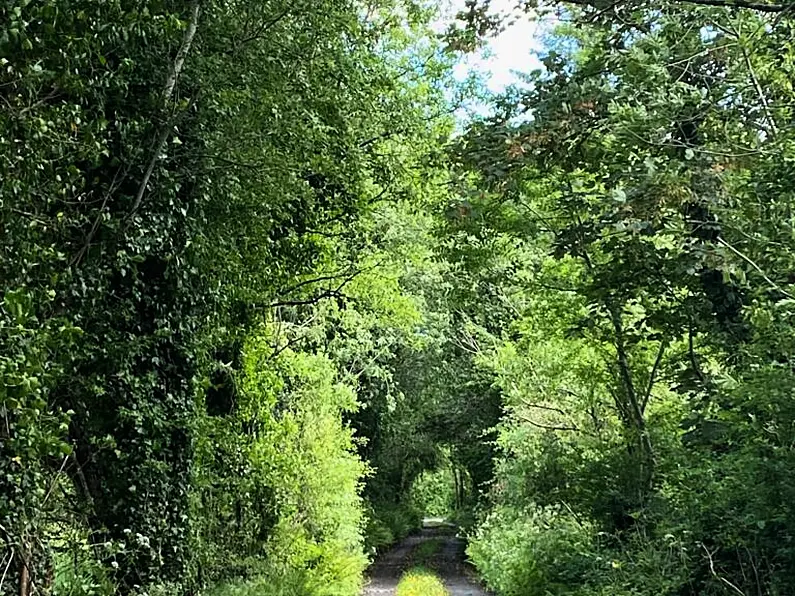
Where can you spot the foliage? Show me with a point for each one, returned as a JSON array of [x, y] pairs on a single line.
[[540, 549], [390, 523], [420, 582], [293, 490], [172, 175], [627, 184], [433, 492], [424, 553], [261, 308]]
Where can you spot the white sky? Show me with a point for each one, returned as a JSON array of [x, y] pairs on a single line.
[[515, 49]]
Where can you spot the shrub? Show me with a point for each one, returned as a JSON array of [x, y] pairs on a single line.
[[537, 550], [426, 551], [389, 523], [280, 483], [433, 492]]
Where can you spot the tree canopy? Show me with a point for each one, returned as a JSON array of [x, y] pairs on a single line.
[[267, 298]]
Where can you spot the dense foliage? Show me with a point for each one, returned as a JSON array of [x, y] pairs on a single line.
[[640, 184], [420, 582], [183, 184], [265, 303]]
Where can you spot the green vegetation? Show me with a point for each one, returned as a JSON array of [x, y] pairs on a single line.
[[265, 302], [420, 582], [434, 492], [646, 375], [425, 551]]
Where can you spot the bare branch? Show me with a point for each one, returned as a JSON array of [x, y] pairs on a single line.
[[168, 91], [715, 574], [760, 6], [314, 280], [5, 571], [545, 426], [332, 292], [544, 407], [308, 301]]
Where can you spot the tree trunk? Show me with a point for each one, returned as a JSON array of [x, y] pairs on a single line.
[[24, 576], [639, 434]]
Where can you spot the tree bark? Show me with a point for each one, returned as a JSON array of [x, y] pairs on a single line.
[[24, 577]]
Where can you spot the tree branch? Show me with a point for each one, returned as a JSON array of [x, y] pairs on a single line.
[[544, 407], [306, 282], [261, 30], [545, 426], [168, 91], [5, 571], [760, 6], [647, 395], [692, 353], [331, 292], [773, 284], [715, 574]]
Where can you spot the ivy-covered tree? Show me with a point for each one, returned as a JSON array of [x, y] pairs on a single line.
[[172, 173]]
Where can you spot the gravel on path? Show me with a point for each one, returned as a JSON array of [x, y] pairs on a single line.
[[449, 563]]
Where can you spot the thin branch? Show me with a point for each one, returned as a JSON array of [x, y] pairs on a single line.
[[54, 480], [647, 395], [168, 91], [693, 359], [98, 219], [545, 426], [544, 407], [308, 301], [390, 133], [306, 282], [5, 571], [773, 284], [335, 292], [761, 7], [758, 88], [287, 345], [261, 30], [556, 288], [715, 574]]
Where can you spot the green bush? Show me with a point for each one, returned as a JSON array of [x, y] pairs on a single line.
[[77, 570], [280, 483], [389, 523], [378, 535], [537, 550], [433, 492], [424, 553]]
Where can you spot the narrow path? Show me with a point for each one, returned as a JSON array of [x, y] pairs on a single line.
[[458, 577], [449, 563]]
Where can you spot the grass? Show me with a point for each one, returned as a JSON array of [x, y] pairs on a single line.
[[419, 581], [425, 551]]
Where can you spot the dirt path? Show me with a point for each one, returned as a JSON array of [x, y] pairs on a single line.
[[448, 563]]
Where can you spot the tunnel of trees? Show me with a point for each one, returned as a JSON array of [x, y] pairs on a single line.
[[267, 298]]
